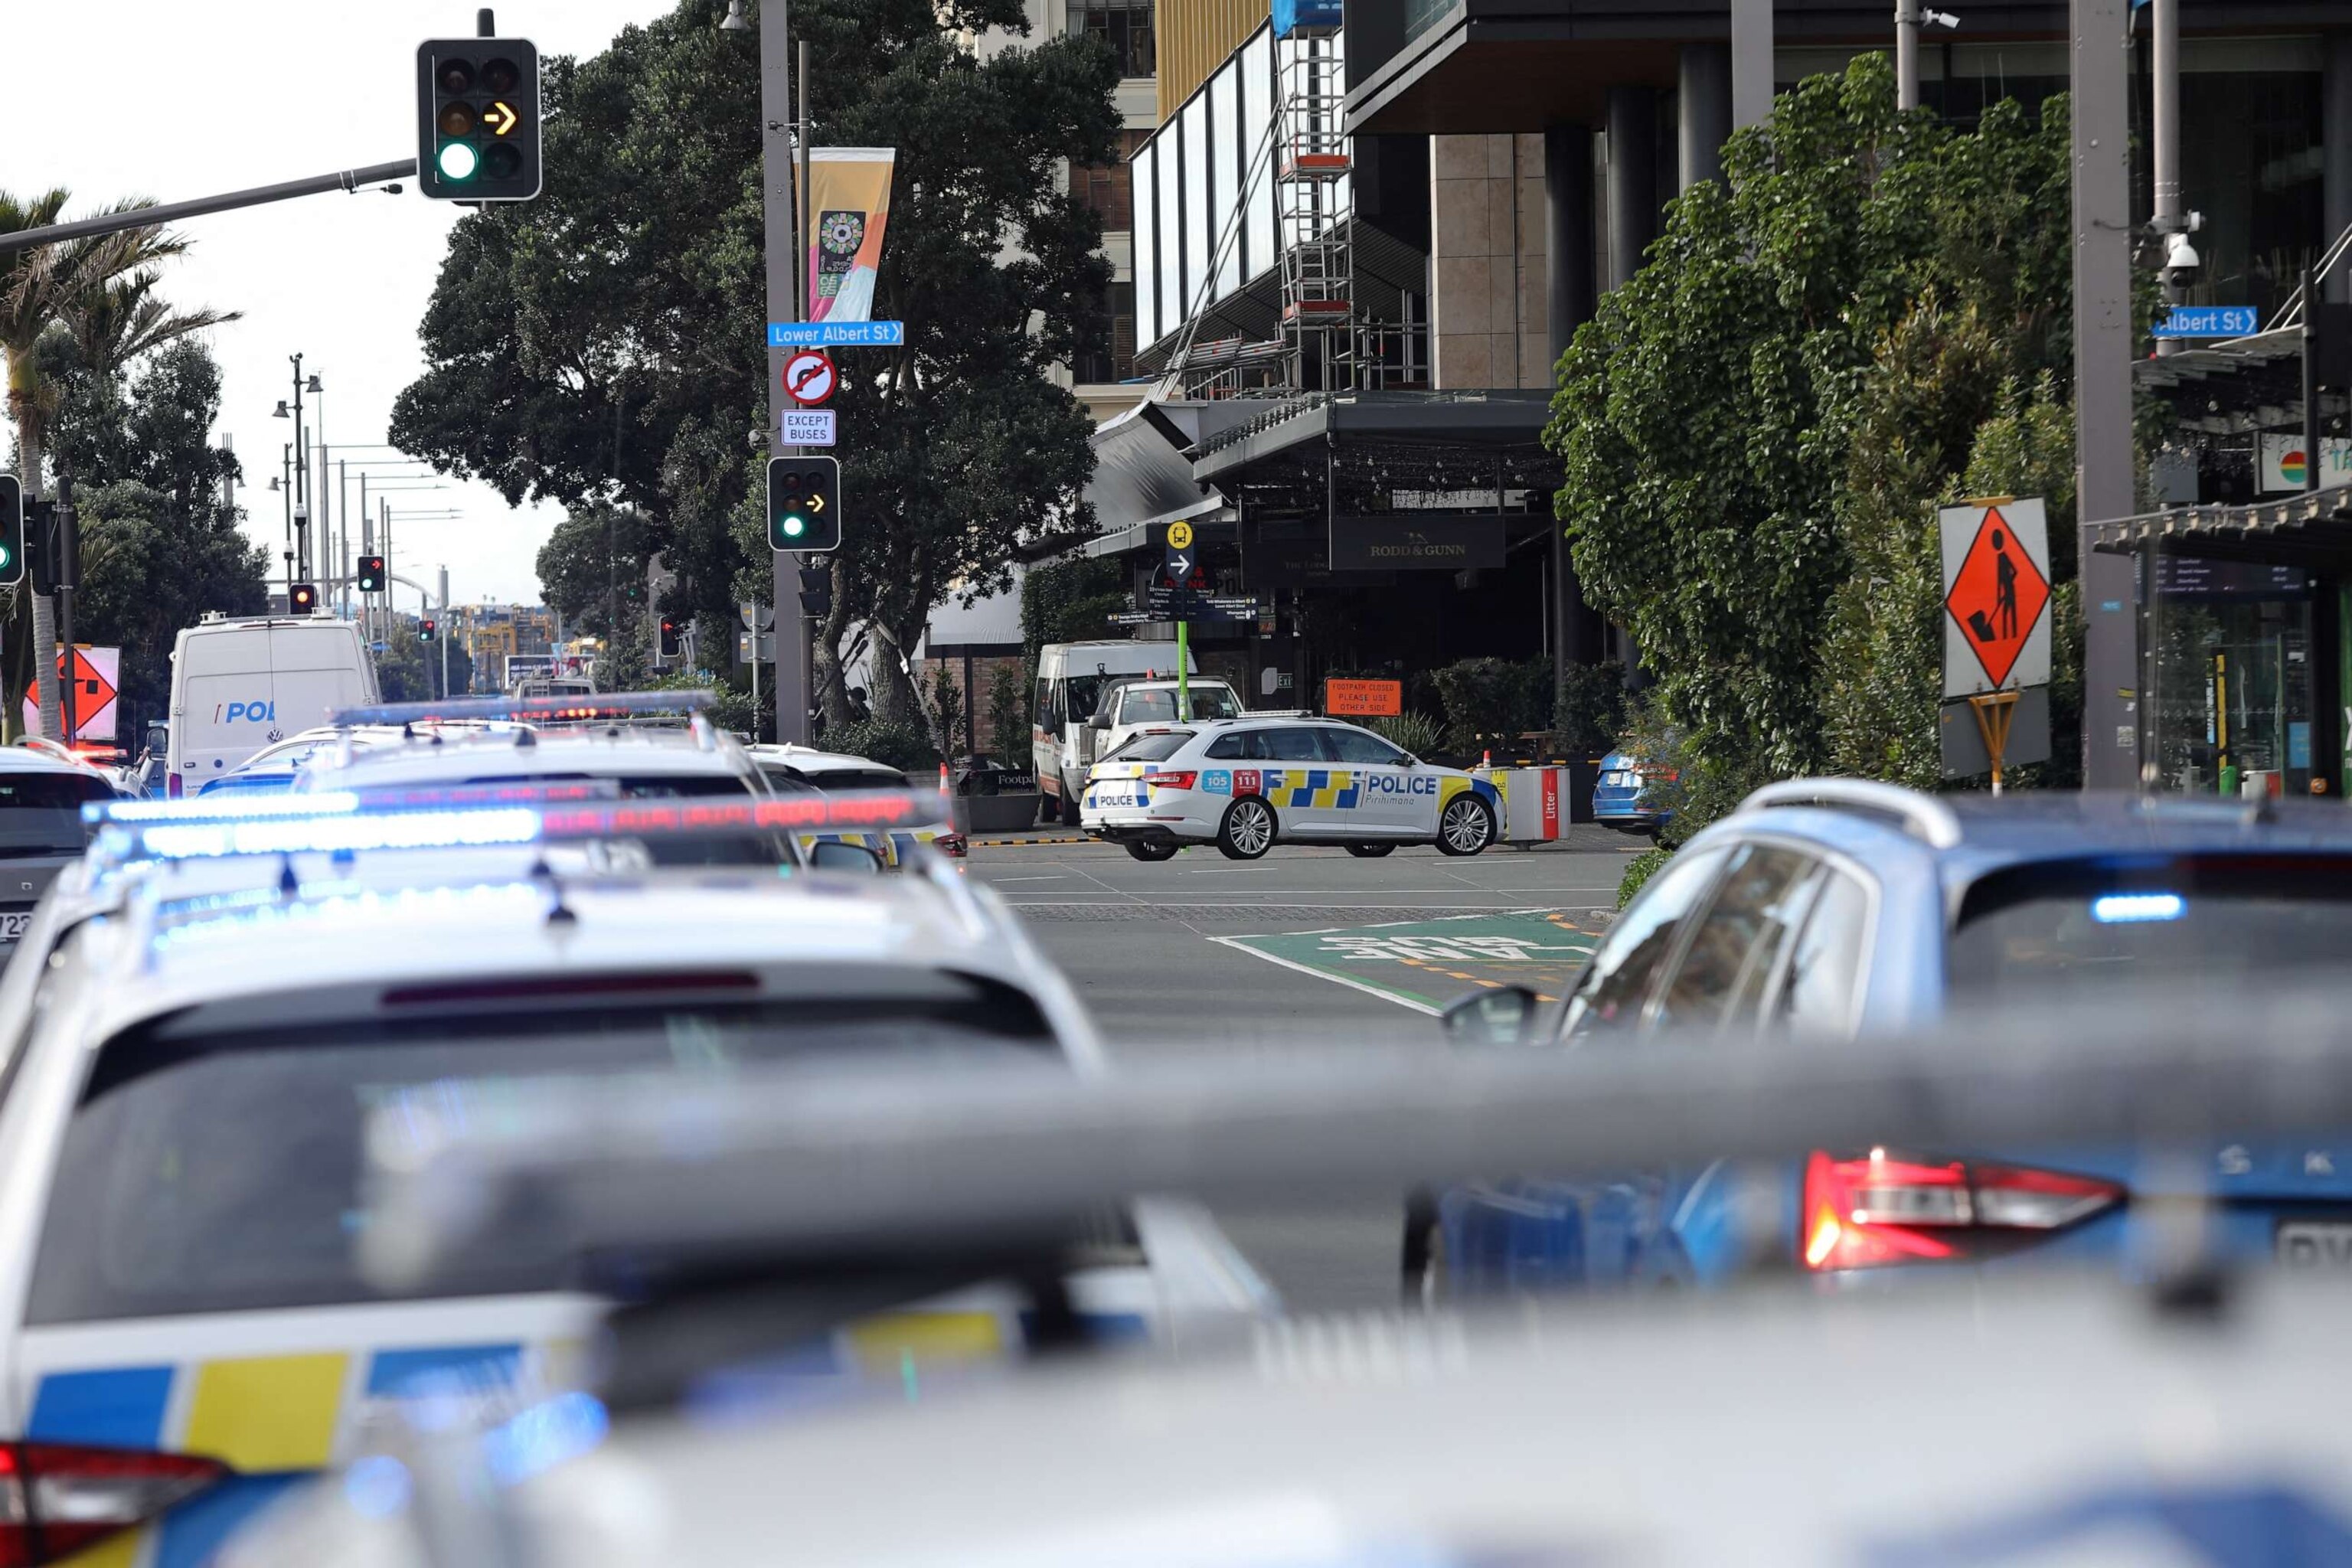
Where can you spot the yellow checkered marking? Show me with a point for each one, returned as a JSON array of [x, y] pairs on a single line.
[[266, 1413], [1296, 787], [881, 1345]]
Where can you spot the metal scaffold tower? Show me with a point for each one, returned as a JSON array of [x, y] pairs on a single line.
[[1313, 204]]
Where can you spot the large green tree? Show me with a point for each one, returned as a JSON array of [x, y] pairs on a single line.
[[1756, 428], [592, 569], [606, 342]]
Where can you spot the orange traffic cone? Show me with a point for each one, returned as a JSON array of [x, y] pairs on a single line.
[[1487, 760], [945, 786]]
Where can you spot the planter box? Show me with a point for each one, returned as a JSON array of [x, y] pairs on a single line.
[[977, 814]]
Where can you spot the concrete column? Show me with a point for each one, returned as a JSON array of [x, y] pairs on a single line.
[[2335, 168], [1574, 294], [1633, 179], [2100, 44], [1705, 102], [1751, 61]]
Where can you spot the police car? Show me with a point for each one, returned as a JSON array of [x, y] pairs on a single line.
[[1246, 784], [42, 791], [182, 1331], [802, 770]]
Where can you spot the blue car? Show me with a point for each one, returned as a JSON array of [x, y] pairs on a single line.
[[1836, 907], [1626, 797]]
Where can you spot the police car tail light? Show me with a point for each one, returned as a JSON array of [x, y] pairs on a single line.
[[1883, 1208], [57, 1498], [1173, 781]]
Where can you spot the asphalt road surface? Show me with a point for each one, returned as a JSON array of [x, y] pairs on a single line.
[[1201, 954]]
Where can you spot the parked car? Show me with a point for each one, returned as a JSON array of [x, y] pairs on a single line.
[[1836, 907], [1628, 796]]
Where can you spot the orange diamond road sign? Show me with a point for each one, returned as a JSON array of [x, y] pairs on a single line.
[[1995, 595]]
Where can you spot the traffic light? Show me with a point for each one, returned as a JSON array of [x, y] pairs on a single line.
[[803, 503], [477, 119], [11, 531], [817, 592], [669, 639], [41, 545], [424, 629], [302, 598], [371, 574]]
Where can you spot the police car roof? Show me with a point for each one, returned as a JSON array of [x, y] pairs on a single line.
[[214, 931], [604, 748], [808, 759], [24, 759]]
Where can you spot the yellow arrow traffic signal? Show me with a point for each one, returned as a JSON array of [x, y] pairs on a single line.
[[501, 118]]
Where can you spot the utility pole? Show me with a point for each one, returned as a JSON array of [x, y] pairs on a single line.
[[447, 627], [2164, 143], [1906, 55], [787, 302]]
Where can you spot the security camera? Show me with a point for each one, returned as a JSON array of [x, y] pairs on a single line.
[[1940, 19], [2182, 265]]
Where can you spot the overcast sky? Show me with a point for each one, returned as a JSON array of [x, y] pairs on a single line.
[[202, 97]]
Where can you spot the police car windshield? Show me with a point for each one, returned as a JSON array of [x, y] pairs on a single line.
[[219, 1172], [40, 814], [1152, 746], [2070, 925]]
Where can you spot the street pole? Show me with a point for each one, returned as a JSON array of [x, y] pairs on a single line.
[[301, 480], [1183, 664], [444, 635], [2311, 447], [781, 238], [1907, 53], [285, 461], [68, 575], [2164, 140]]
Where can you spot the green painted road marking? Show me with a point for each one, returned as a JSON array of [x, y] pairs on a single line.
[[1424, 964]]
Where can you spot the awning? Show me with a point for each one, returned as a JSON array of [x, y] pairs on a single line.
[[2314, 529], [1212, 519]]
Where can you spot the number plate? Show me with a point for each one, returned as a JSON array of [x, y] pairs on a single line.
[[2315, 1244], [12, 927]]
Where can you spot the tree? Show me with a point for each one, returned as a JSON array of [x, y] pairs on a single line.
[[38, 286], [1755, 427], [592, 569], [605, 342]]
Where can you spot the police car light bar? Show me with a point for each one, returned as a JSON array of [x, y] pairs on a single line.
[[545, 710], [791, 1167], [342, 823]]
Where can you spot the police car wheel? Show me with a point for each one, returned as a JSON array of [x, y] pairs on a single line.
[[1465, 826], [1069, 808], [1371, 851], [1143, 849], [1247, 831]]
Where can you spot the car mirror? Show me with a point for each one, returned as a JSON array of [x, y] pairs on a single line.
[[1099, 721], [1503, 1016], [837, 855]]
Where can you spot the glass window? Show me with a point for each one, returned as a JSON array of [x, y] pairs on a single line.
[[1237, 746], [1617, 981], [222, 1172], [40, 814], [1229, 150], [1257, 130], [1048, 718], [1361, 747], [1148, 708], [1175, 304], [1214, 702], [1125, 26], [1141, 174], [1152, 746], [1298, 745], [1079, 695], [1758, 903], [1818, 995]]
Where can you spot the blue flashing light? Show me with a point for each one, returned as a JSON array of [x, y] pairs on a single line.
[[340, 835], [545, 1435], [328, 803], [376, 1486], [2137, 908]]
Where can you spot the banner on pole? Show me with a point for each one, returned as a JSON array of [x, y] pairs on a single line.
[[849, 207]]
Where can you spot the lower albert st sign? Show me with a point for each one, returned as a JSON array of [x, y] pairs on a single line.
[[2211, 321], [836, 334]]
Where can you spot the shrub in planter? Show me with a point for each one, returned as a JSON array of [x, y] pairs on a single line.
[[1491, 700], [1416, 732], [893, 745]]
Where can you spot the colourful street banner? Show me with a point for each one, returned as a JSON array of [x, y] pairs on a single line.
[[850, 206]]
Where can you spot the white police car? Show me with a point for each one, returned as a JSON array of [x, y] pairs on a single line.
[[1247, 784], [189, 1071]]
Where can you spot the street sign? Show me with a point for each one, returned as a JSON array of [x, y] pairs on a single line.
[[755, 617], [808, 377], [763, 653], [97, 674], [836, 334], [2211, 321], [1132, 617], [1180, 535], [1363, 699], [1996, 595], [806, 427]]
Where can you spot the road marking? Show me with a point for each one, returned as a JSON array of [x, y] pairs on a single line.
[[1539, 948], [1418, 1007]]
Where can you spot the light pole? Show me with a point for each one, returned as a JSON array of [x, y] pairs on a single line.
[[1910, 17]]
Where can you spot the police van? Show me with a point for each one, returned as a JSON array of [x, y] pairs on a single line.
[[239, 686], [1071, 679]]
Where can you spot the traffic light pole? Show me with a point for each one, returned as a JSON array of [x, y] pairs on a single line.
[[782, 235], [173, 212], [68, 576]]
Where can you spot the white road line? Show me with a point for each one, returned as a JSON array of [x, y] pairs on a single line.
[[1368, 990], [997, 882]]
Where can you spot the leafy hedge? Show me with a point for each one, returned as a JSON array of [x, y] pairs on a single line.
[[893, 745]]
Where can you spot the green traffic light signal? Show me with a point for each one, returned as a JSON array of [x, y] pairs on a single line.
[[477, 119], [803, 503]]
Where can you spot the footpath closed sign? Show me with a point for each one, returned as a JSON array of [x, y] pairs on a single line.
[[1996, 595], [1363, 699]]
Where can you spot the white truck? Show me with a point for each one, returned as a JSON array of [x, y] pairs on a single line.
[[241, 685], [1071, 678], [1128, 707]]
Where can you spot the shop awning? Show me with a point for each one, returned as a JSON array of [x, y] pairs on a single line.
[[2314, 529]]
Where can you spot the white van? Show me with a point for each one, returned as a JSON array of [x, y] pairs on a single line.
[[239, 686], [1070, 681]]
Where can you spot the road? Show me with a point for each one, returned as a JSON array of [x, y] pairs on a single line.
[[1201, 955]]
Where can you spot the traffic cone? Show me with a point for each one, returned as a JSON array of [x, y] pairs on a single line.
[[945, 786], [1487, 761]]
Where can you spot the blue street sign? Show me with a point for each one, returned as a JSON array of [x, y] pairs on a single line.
[[836, 334], [2211, 321]]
